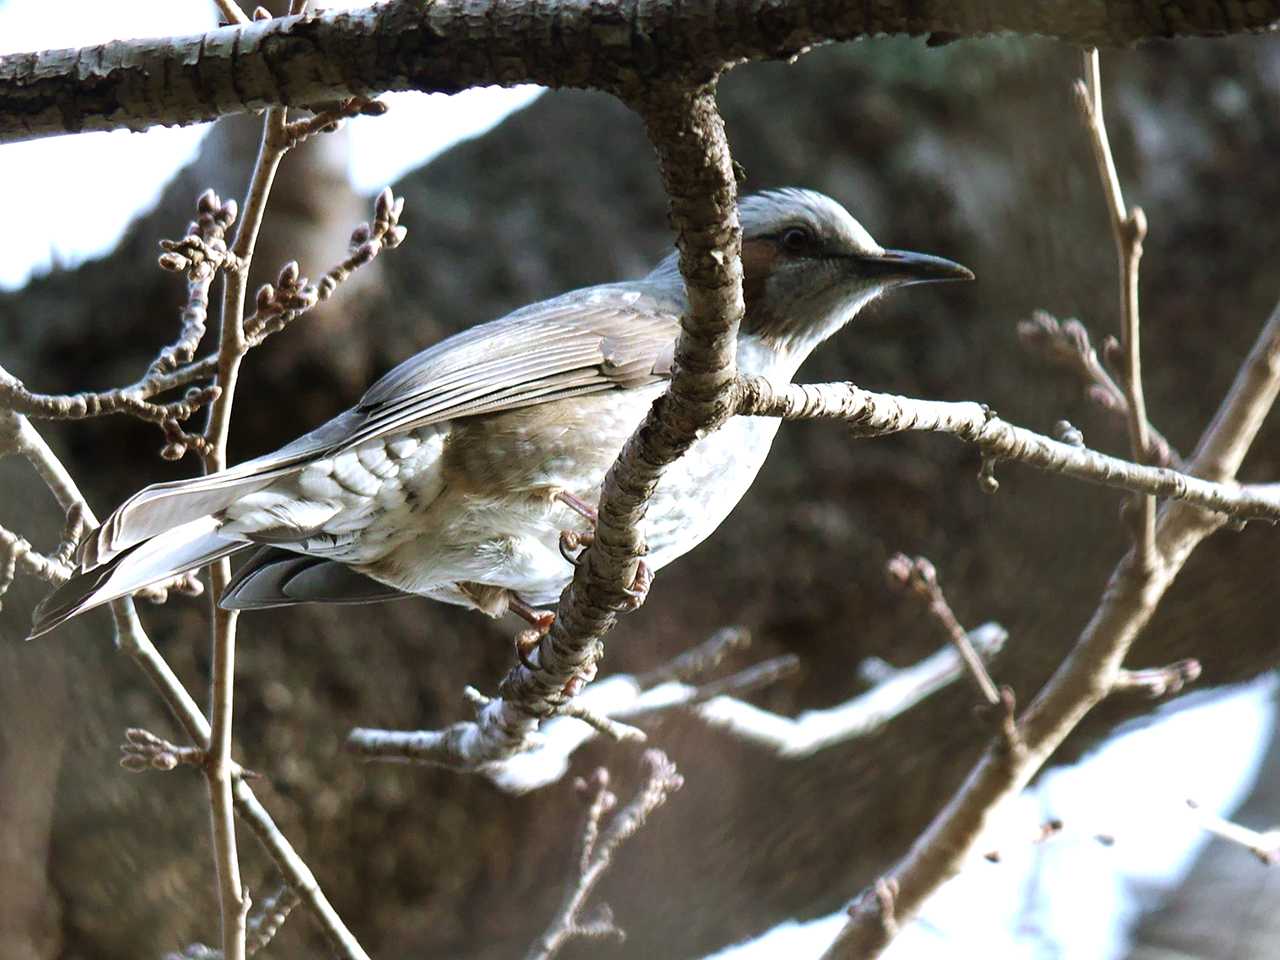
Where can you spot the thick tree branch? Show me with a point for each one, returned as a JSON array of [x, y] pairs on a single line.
[[625, 46]]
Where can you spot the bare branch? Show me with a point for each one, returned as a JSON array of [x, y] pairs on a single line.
[[1264, 846], [881, 414], [688, 134], [1129, 227], [293, 295], [17, 435], [231, 11], [699, 661], [1223, 446], [921, 578], [1159, 681], [232, 346], [596, 850], [895, 692], [1067, 345], [622, 47], [622, 697]]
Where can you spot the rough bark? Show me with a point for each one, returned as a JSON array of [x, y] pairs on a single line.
[[449, 45]]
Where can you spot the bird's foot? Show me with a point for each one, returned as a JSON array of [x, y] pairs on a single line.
[[572, 542], [540, 622], [639, 589], [579, 680]]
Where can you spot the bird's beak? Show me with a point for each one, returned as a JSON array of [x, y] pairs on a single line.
[[901, 267]]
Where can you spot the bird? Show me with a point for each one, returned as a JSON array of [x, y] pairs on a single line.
[[462, 472]]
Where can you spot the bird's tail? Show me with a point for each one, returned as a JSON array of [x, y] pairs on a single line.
[[182, 548]]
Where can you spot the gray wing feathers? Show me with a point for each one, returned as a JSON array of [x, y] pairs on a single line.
[[603, 338], [279, 578]]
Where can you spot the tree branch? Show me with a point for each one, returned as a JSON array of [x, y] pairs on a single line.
[[597, 846], [624, 46], [1090, 672], [16, 433], [880, 414], [1129, 229]]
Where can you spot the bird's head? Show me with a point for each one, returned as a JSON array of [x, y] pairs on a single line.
[[809, 266]]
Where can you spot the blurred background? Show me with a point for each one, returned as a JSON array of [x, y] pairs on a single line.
[[972, 151]]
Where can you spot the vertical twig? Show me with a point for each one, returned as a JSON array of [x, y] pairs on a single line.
[[1129, 227], [232, 347]]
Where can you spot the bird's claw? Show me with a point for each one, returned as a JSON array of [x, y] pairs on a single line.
[[527, 641], [572, 541], [579, 680], [638, 592], [539, 621]]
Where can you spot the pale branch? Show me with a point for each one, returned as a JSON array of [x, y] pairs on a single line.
[[200, 255], [1129, 229], [132, 400], [1067, 344], [17, 435], [1263, 845], [1224, 444], [597, 846], [232, 347], [231, 11], [17, 555], [700, 660], [1088, 674], [1156, 682], [921, 578], [265, 919], [143, 750], [275, 307], [449, 45], [895, 692], [635, 699], [880, 414]]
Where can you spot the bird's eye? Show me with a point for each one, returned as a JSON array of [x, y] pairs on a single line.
[[797, 240]]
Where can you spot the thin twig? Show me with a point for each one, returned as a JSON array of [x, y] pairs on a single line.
[[1263, 845], [231, 11], [921, 578], [1158, 682], [1067, 344], [1129, 227], [232, 346], [596, 848]]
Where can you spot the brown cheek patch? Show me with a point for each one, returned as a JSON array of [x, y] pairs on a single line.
[[758, 259]]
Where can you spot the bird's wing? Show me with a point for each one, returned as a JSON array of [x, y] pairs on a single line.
[[602, 338], [598, 339]]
